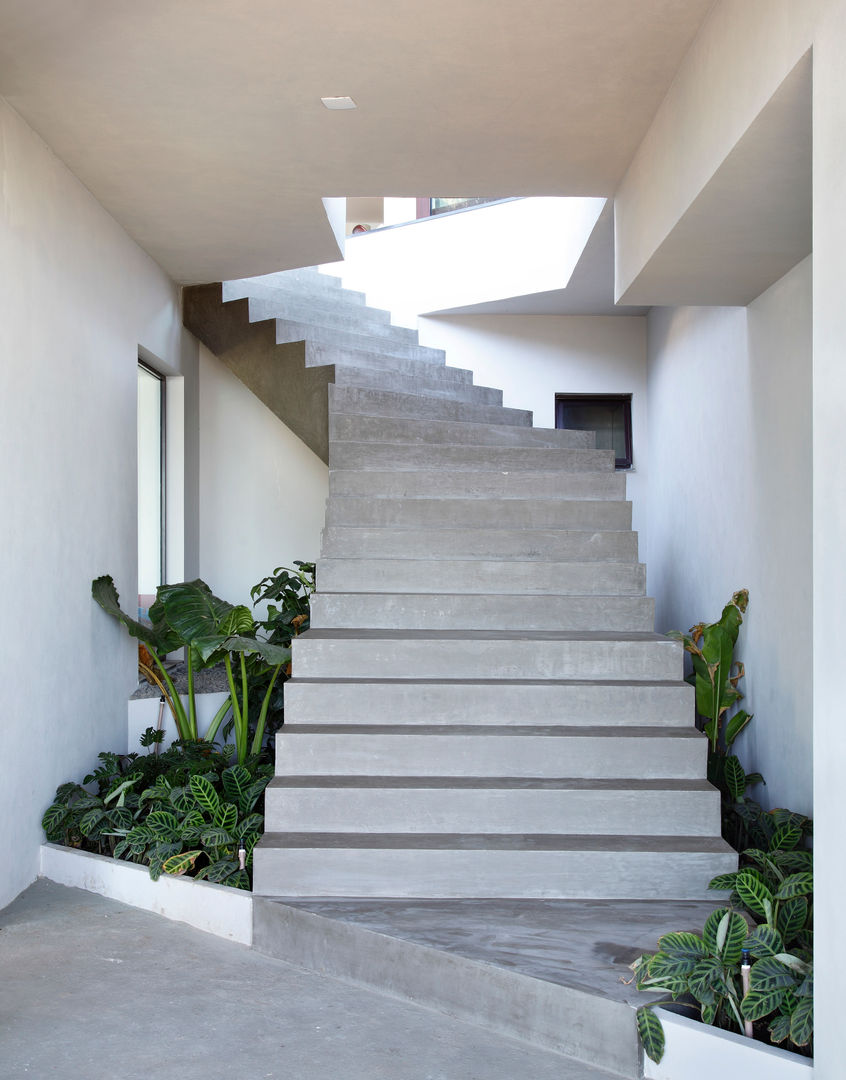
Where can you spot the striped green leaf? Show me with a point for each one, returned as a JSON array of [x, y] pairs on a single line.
[[786, 837], [791, 917], [682, 943], [802, 1022], [764, 941], [796, 885], [754, 894], [780, 1028], [181, 863], [770, 974], [204, 794], [760, 1003], [651, 1033], [735, 776]]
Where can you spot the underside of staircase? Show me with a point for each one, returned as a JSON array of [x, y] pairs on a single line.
[[481, 710]]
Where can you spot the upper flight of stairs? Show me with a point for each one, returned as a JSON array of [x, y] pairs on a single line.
[[481, 707]]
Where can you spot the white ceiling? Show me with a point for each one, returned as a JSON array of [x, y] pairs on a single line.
[[198, 123]]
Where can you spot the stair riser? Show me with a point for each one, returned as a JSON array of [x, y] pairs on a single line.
[[458, 433], [434, 483], [354, 322], [364, 872], [459, 612], [497, 577], [351, 401], [578, 545], [662, 756], [410, 384], [320, 353], [330, 311], [457, 513], [306, 282], [644, 813], [377, 345], [421, 702], [363, 455], [457, 658]]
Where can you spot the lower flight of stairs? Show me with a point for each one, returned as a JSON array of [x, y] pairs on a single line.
[[481, 710]]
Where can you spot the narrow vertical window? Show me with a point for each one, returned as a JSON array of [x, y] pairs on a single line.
[[151, 522]]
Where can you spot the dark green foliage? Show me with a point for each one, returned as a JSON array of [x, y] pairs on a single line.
[[773, 890], [185, 810]]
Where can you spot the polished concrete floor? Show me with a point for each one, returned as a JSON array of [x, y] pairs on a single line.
[[91, 989]]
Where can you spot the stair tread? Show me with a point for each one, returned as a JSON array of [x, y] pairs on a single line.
[[556, 731], [499, 783], [497, 842], [369, 633]]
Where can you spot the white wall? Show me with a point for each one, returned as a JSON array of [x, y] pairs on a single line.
[[533, 357], [78, 298], [262, 491], [490, 253], [730, 504]]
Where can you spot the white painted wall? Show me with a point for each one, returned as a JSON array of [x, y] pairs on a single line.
[[262, 491], [78, 298], [489, 253], [533, 357], [730, 504]]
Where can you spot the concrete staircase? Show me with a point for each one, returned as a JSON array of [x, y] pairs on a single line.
[[490, 795], [481, 707]]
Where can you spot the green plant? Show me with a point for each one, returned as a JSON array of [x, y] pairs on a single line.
[[775, 929], [716, 675], [198, 827], [187, 800], [288, 613], [211, 630]]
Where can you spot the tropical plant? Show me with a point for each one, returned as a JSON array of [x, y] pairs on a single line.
[[772, 932], [211, 630], [288, 613], [198, 828], [186, 801], [716, 675]]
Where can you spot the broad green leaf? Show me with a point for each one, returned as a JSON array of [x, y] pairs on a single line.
[[806, 987], [181, 863], [703, 980], [792, 862], [753, 893], [89, 823], [795, 963], [651, 1033], [760, 1003], [709, 1013], [194, 612], [735, 938], [238, 880], [271, 654], [159, 637], [219, 871], [235, 780], [764, 941], [802, 1022], [785, 838], [770, 974], [251, 824], [681, 943], [796, 885], [715, 930], [723, 881], [204, 794], [665, 966], [226, 817], [735, 725], [216, 838], [163, 823], [54, 819], [791, 917], [735, 777], [780, 1028]]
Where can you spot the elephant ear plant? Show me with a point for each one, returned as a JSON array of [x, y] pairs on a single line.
[[211, 630]]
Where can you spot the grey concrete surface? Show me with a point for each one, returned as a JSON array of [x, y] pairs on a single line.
[[362, 402], [434, 385], [423, 482], [94, 990], [444, 513], [427, 430]]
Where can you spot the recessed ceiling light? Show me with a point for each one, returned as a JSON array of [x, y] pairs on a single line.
[[339, 103]]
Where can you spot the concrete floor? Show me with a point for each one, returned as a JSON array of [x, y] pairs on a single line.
[[91, 989]]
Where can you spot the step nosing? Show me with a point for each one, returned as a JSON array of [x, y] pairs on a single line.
[[539, 842], [557, 731], [485, 783]]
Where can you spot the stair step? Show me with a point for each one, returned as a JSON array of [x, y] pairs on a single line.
[[376, 654], [309, 281], [331, 308], [382, 347], [491, 804], [478, 750], [355, 329], [362, 455], [350, 400], [321, 352], [493, 513], [492, 865], [483, 484], [519, 702], [464, 611], [386, 429], [580, 545], [498, 577], [436, 385]]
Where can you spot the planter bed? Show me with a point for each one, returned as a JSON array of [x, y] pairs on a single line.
[[216, 909], [696, 1051]]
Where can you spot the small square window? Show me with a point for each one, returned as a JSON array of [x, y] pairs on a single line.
[[609, 415]]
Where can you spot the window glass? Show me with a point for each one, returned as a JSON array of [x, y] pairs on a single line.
[[150, 486], [609, 415]]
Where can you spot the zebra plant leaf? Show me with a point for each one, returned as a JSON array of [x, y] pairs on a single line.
[[754, 893], [760, 1003], [802, 1022], [764, 941], [801, 884], [651, 1033]]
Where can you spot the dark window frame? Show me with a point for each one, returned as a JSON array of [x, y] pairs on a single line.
[[602, 399], [162, 381]]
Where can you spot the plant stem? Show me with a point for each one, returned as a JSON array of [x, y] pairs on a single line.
[[236, 711], [259, 735], [192, 708], [217, 720], [177, 707]]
